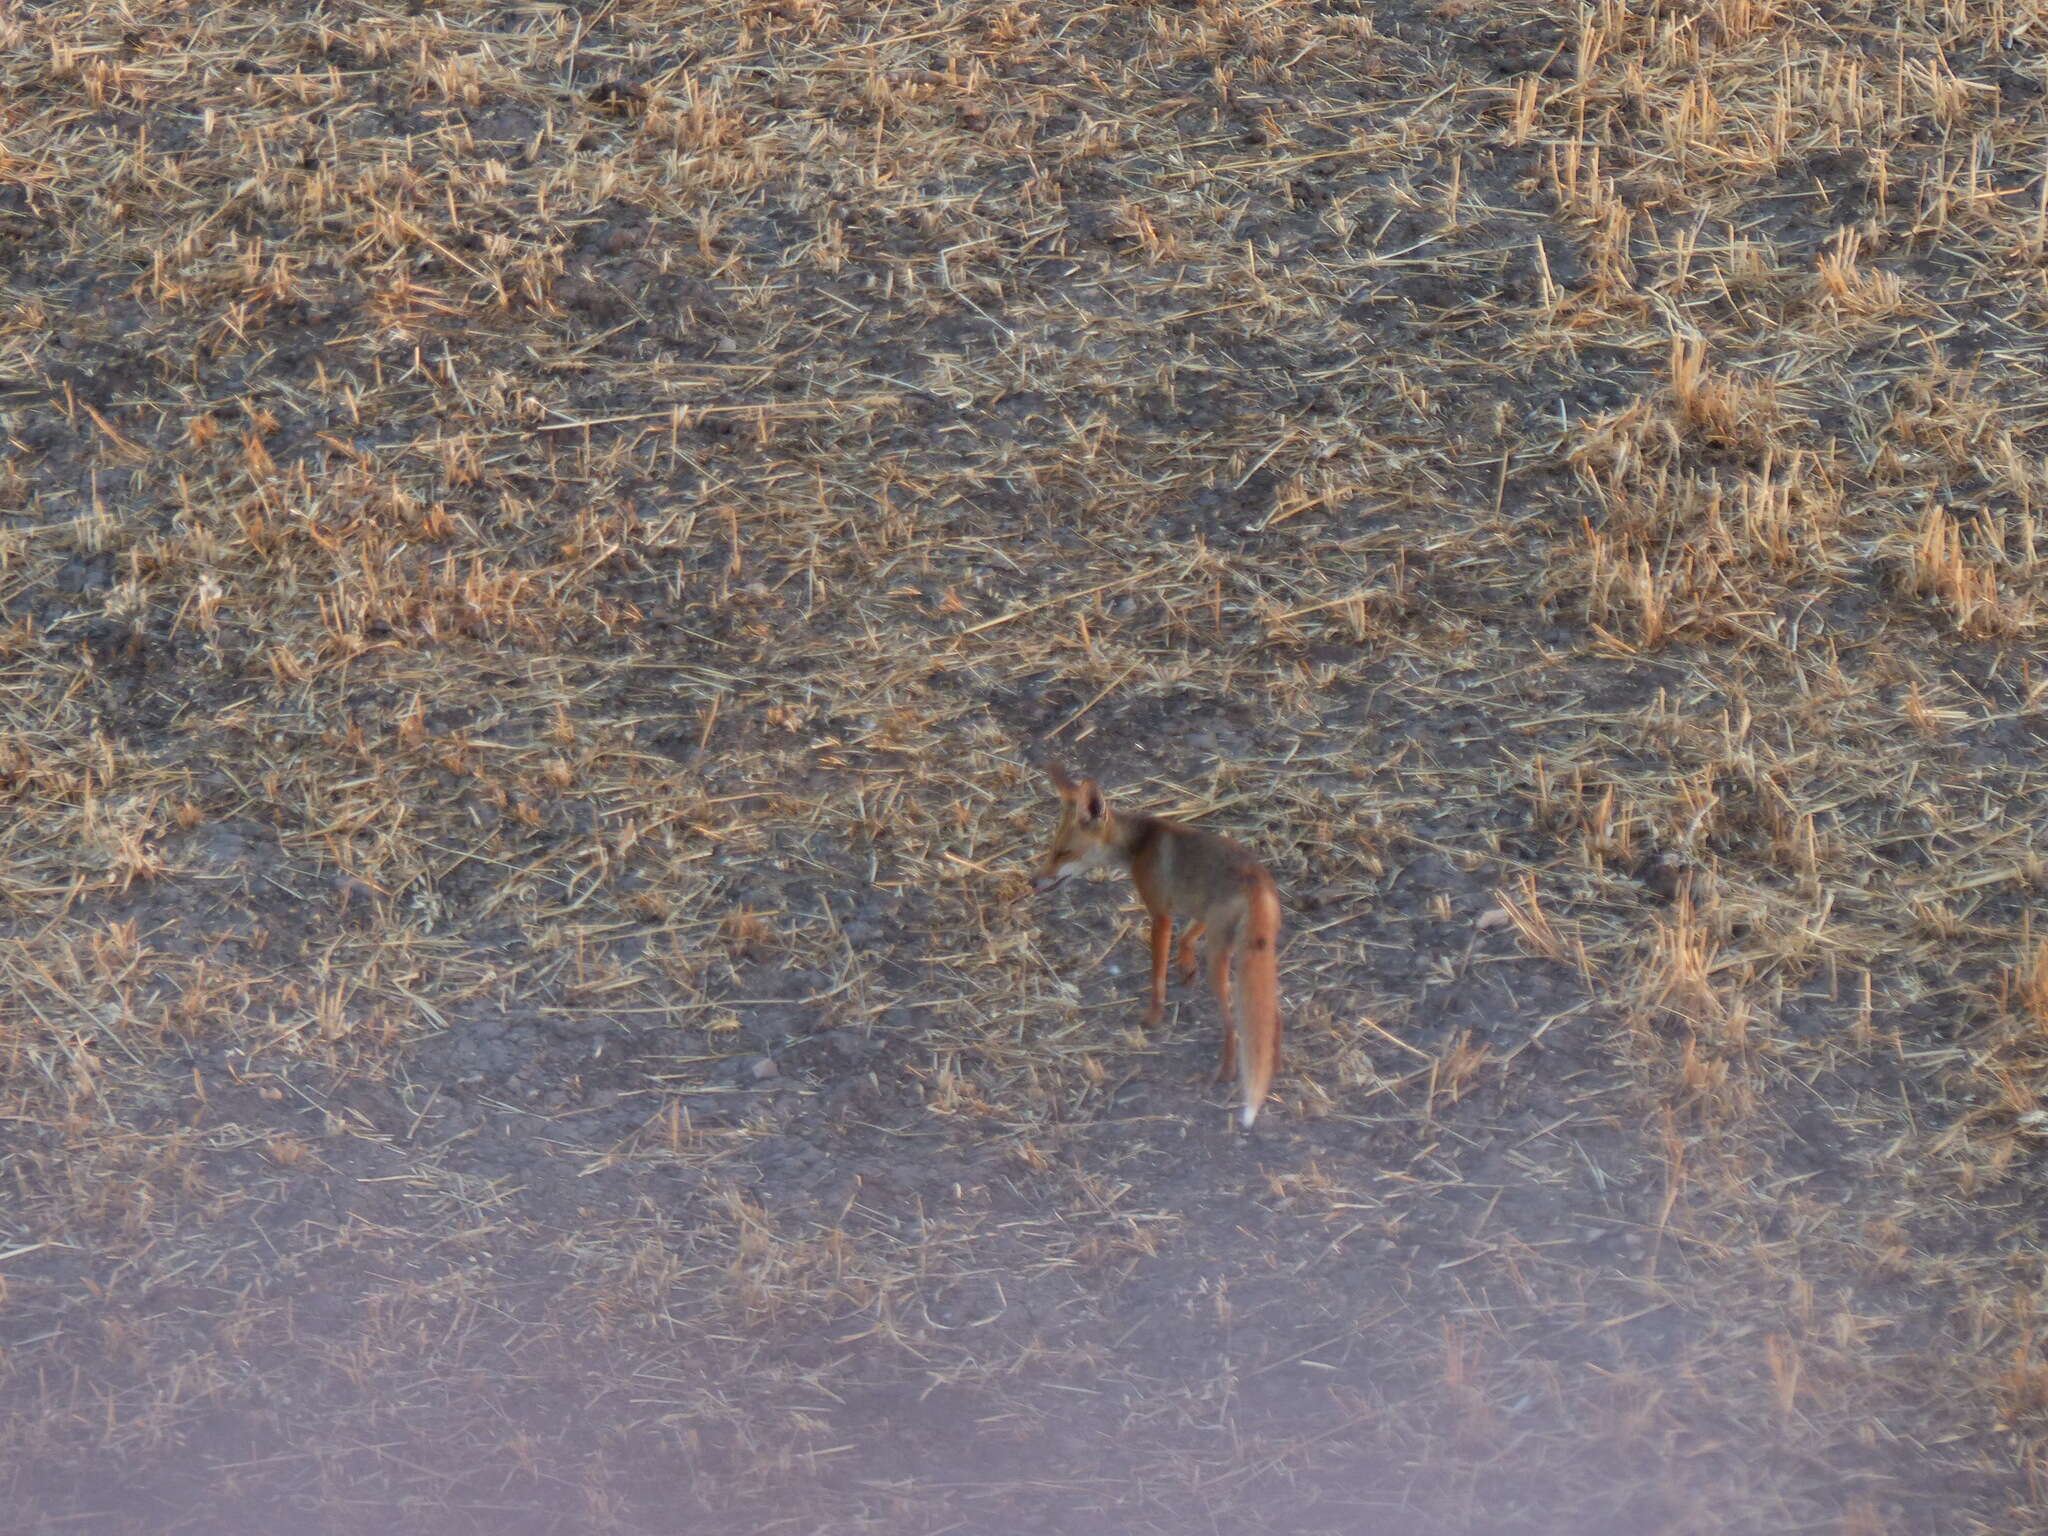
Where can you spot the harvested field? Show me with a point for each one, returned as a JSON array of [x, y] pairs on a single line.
[[543, 546]]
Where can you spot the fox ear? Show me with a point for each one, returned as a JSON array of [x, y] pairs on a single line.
[[1060, 781], [1088, 795]]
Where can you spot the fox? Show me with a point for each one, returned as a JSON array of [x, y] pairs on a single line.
[[1218, 886]]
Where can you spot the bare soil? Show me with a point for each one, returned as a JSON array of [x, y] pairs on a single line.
[[542, 547]]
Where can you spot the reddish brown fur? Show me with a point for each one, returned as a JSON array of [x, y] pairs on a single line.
[[1223, 891]]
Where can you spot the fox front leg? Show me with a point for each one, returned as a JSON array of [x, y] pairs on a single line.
[[1162, 951]]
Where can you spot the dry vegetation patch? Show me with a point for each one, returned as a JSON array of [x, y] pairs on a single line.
[[540, 545]]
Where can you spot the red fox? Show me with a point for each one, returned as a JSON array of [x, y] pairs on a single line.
[[1219, 886]]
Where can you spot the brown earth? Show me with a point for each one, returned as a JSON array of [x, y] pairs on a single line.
[[542, 545]]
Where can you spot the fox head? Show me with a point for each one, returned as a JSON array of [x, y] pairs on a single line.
[[1083, 839]]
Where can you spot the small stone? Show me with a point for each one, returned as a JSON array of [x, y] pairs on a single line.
[[762, 1068]]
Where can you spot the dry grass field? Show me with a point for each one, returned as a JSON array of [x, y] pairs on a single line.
[[542, 547]]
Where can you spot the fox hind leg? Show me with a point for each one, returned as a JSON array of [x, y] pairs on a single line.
[[1187, 951], [1219, 983]]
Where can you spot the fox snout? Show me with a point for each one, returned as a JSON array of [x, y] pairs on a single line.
[[1044, 883]]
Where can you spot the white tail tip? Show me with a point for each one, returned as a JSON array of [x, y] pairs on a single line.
[[1247, 1115]]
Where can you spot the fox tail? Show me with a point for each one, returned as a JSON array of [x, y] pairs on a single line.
[[1258, 1003]]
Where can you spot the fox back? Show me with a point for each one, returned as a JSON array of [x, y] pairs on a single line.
[[1189, 872]]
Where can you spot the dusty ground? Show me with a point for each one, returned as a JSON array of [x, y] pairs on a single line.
[[540, 546]]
